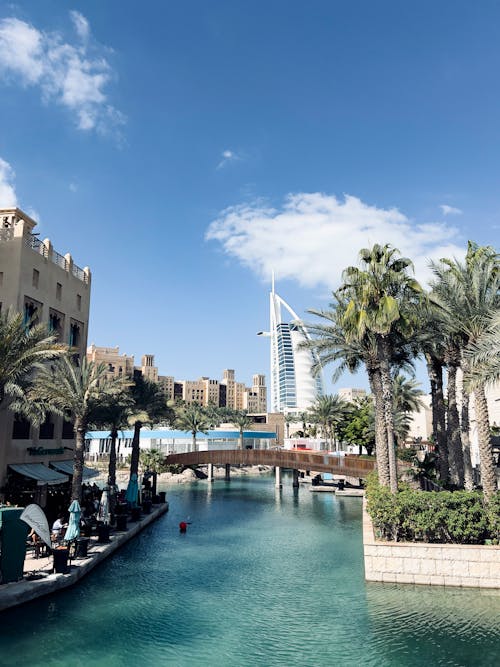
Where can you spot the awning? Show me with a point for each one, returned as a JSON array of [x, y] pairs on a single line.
[[67, 468], [38, 471]]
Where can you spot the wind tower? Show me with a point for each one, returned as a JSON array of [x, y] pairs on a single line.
[[294, 388]]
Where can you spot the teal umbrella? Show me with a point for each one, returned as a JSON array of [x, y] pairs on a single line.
[[73, 530], [132, 490]]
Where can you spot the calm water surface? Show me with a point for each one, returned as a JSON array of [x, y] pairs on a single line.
[[262, 578]]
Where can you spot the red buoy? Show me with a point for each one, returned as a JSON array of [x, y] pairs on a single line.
[[183, 527]]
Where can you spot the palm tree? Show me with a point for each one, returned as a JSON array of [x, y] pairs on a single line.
[[289, 419], [382, 298], [192, 417], [242, 420], [113, 412], [327, 412], [23, 351], [149, 407], [483, 355], [469, 292], [72, 389]]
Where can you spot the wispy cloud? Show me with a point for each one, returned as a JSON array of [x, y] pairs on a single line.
[[74, 76], [450, 210], [228, 156], [8, 196], [73, 187], [312, 237]]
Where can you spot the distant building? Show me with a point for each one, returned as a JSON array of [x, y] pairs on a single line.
[[48, 288], [117, 365], [351, 394], [294, 387]]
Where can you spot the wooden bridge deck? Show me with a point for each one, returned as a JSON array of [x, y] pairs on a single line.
[[350, 466]]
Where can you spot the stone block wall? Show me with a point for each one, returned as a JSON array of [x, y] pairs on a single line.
[[466, 565]]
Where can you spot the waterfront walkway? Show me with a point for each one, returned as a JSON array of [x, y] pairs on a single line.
[[39, 578]]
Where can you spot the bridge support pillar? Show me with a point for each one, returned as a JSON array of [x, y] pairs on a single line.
[[227, 476], [277, 481], [210, 472], [295, 479]]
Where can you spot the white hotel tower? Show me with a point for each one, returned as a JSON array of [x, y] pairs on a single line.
[[293, 385]]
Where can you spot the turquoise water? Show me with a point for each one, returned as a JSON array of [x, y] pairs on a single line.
[[262, 578]]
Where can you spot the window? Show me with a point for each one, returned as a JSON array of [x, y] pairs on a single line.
[[1, 278], [35, 278], [20, 428], [58, 291], [47, 429], [78, 301]]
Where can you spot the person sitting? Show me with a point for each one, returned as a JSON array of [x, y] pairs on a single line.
[[57, 529]]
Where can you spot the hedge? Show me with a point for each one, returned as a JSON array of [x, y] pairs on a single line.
[[458, 517]]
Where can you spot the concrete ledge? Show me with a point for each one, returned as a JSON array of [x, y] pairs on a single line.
[[464, 565], [19, 592]]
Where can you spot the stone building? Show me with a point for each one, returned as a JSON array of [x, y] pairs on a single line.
[[48, 288]]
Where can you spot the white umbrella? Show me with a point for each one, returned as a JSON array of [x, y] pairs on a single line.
[[103, 513]]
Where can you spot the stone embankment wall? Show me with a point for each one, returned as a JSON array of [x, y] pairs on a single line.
[[465, 565]]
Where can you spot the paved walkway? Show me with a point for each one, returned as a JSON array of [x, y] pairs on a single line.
[[39, 578]]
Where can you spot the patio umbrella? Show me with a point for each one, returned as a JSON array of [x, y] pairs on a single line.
[[103, 513], [132, 490], [73, 530]]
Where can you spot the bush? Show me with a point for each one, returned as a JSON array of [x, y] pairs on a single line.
[[458, 517]]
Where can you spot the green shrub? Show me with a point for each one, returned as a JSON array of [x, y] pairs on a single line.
[[458, 517]]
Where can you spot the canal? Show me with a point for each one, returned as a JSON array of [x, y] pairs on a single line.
[[261, 578]]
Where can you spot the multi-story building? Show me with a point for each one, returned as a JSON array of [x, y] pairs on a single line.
[[48, 288], [148, 369], [294, 386], [118, 365]]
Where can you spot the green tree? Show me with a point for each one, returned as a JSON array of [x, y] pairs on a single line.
[[152, 460], [24, 350], [382, 299], [192, 417], [358, 426], [72, 389], [149, 407], [327, 412], [469, 293], [242, 420]]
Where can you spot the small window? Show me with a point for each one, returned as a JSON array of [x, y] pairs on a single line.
[[1, 278], [78, 301], [36, 277], [58, 291]]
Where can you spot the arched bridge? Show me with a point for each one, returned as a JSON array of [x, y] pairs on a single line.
[[349, 466]]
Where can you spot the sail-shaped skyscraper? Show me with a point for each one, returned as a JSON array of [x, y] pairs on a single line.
[[294, 388]]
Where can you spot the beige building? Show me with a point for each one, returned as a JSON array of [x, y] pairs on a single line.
[[118, 365], [350, 394], [48, 288]]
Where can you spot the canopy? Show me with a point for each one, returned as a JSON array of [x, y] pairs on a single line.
[[67, 468], [132, 493], [41, 473], [35, 517]]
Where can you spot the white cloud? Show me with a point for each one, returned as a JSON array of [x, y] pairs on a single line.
[[227, 157], [450, 210], [73, 187], [8, 197], [74, 76], [81, 25], [314, 236]]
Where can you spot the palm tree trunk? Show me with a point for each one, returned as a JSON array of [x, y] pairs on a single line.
[[241, 439], [435, 372], [488, 472], [387, 398], [464, 433], [136, 449], [455, 454], [76, 486], [193, 433], [112, 459], [380, 432]]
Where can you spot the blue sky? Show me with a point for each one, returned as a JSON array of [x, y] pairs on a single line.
[[183, 150]]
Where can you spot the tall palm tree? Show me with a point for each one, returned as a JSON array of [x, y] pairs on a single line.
[[289, 419], [483, 354], [382, 298], [72, 389], [149, 407], [24, 350], [242, 420], [469, 292], [192, 417]]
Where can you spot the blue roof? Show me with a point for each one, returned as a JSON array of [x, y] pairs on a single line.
[[169, 434]]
